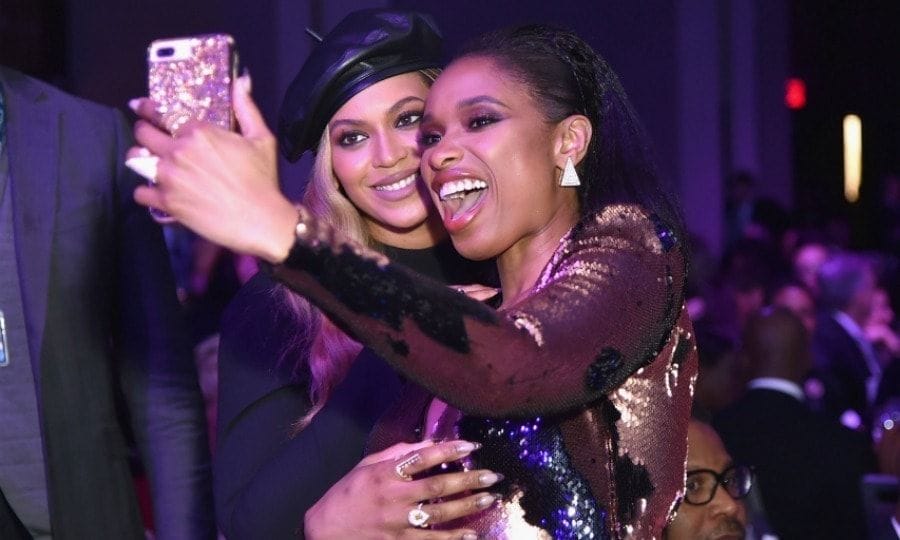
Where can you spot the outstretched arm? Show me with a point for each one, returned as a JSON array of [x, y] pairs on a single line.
[[602, 309], [604, 306]]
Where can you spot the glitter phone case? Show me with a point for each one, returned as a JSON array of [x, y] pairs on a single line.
[[191, 78]]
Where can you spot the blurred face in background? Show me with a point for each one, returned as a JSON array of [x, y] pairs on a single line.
[[798, 301], [882, 313], [807, 260]]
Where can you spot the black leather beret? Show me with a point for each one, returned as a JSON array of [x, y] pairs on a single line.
[[366, 47]]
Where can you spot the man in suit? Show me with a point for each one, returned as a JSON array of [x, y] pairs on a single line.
[[710, 509], [808, 466], [91, 333], [844, 359]]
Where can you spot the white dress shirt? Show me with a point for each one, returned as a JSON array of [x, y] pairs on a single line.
[[779, 385]]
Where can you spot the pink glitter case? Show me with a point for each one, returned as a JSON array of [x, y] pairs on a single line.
[[191, 77]]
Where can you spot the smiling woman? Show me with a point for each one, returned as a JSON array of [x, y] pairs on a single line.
[[487, 141], [374, 155], [579, 386], [297, 396]]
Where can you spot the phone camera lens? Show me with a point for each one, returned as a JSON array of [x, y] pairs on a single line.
[[165, 52]]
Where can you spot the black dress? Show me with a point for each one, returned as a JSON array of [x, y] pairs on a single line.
[[265, 480]]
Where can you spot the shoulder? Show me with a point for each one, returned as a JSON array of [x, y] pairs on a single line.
[[624, 235], [831, 341], [22, 91], [625, 227], [260, 305], [260, 344]]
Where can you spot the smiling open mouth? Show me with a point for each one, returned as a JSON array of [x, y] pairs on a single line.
[[460, 196], [398, 185]]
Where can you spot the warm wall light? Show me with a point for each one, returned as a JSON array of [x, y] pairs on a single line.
[[852, 157]]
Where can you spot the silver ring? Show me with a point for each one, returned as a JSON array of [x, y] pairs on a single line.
[[418, 518], [401, 467]]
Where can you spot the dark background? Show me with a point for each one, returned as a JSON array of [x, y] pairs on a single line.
[[849, 55]]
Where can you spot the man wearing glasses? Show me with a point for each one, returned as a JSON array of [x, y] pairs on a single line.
[[712, 508]]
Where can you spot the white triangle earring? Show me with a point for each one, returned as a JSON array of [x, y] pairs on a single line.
[[569, 176]]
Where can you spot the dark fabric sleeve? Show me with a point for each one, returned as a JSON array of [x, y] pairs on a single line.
[[266, 480], [159, 377], [601, 309], [839, 365]]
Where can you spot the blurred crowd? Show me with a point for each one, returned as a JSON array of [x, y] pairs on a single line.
[[800, 363]]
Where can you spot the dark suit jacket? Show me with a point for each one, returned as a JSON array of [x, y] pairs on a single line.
[[102, 317], [808, 467], [842, 368]]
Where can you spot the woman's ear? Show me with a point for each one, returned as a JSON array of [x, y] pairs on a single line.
[[573, 135]]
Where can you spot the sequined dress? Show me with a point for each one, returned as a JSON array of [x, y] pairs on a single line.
[[580, 393]]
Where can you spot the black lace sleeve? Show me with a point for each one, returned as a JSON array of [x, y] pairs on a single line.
[[602, 308]]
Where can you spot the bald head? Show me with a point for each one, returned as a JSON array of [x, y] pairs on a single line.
[[775, 344]]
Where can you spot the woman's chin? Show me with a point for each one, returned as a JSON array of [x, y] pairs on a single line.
[[472, 248]]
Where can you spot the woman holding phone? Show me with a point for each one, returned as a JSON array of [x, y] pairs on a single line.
[[579, 385]]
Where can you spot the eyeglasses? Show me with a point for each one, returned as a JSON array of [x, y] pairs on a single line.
[[701, 484]]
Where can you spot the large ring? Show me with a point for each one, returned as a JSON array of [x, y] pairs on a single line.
[[401, 467], [418, 518]]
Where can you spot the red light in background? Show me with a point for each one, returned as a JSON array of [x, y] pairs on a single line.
[[795, 93]]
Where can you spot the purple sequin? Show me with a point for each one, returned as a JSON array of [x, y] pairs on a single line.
[[532, 457]]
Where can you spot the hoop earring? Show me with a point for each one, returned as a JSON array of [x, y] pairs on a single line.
[[569, 176]]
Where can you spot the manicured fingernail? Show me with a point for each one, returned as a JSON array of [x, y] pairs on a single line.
[[470, 536], [485, 500], [489, 478], [465, 447], [133, 104], [144, 166], [143, 152], [246, 84]]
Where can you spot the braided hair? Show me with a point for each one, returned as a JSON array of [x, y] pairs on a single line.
[[565, 76]]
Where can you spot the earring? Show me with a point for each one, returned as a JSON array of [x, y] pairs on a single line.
[[569, 176]]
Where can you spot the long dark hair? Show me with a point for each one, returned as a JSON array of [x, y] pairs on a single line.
[[566, 76]]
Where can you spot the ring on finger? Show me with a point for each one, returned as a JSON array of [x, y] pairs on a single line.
[[418, 517], [401, 467]]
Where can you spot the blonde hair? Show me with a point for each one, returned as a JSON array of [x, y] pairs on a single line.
[[330, 351]]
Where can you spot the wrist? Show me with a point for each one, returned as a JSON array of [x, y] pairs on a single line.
[[281, 233]]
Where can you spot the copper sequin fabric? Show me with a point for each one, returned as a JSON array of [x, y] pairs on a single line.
[[198, 87], [580, 393]]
